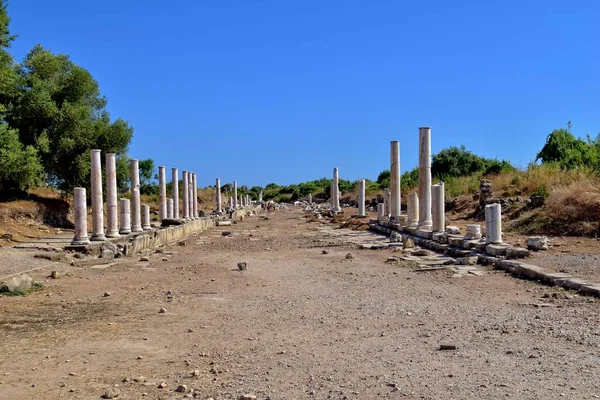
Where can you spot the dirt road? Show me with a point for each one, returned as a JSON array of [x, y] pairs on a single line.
[[297, 324]]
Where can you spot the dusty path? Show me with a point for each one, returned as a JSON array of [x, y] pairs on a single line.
[[298, 324]]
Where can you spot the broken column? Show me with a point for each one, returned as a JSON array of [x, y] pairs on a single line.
[[386, 201], [162, 193], [380, 212], [425, 222], [230, 202], [175, 191], [146, 217], [218, 189], [309, 199], [412, 209], [97, 204], [136, 212], [438, 211], [125, 216], [195, 194], [235, 195], [361, 198], [493, 223], [395, 180], [186, 202], [112, 206], [169, 208], [80, 214], [260, 197], [335, 192]]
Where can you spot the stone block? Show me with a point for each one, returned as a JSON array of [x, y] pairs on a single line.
[[572, 283], [487, 260], [592, 289], [17, 283], [537, 243], [496, 249], [517, 252], [456, 241], [424, 233], [530, 271]]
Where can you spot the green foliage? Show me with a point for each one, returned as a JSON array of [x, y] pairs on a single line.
[[542, 191], [409, 180], [455, 162], [272, 186], [60, 111], [569, 152], [20, 167], [146, 171], [383, 179]]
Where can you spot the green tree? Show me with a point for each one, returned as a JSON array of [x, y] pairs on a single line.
[[59, 110], [20, 166], [456, 161], [569, 152]]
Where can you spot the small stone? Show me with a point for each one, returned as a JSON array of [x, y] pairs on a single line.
[[349, 256], [144, 259], [162, 385], [247, 397], [190, 330], [165, 259], [111, 393], [162, 310], [242, 265], [181, 389], [421, 253], [447, 347], [139, 357], [325, 252], [54, 275], [195, 372], [106, 294]]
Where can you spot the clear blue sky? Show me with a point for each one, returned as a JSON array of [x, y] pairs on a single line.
[[283, 91]]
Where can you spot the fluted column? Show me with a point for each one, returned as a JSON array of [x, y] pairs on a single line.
[[162, 193], [136, 212], [169, 208], [175, 191], [80, 214], [186, 195], [146, 217], [97, 202], [335, 192], [412, 209], [395, 180], [112, 204], [125, 216], [425, 222]]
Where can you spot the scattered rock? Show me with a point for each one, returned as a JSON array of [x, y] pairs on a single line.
[[106, 294], [182, 243], [247, 397], [453, 230], [54, 275], [447, 347], [181, 389], [537, 243], [408, 243], [517, 252], [162, 385], [111, 393], [421, 253], [395, 237], [349, 256], [325, 252], [466, 260], [144, 259], [162, 311], [227, 233], [195, 372], [17, 283], [242, 265], [107, 254]]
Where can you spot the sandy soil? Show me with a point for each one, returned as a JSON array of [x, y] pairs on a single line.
[[297, 324]]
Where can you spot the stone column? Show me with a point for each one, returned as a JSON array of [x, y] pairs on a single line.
[[386, 201], [125, 216], [191, 195], [380, 212], [438, 210], [335, 192], [413, 210], [239, 201], [146, 217], [493, 223], [112, 205], [260, 197], [169, 207], [175, 191], [186, 202], [230, 202], [394, 210], [361, 198], [235, 195], [80, 214], [97, 203], [218, 189], [425, 222], [136, 212], [162, 193], [195, 194], [309, 198], [248, 203]]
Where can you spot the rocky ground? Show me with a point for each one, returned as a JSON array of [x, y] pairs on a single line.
[[304, 320]]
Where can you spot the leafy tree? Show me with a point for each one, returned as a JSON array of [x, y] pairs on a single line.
[[60, 111], [456, 161], [8, 75], [20, 166], [569, 152], [146, 171], [383, 179], [272, 186]]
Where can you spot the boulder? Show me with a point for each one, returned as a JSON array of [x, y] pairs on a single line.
[[537, 243], [17, 283], [453, 230]]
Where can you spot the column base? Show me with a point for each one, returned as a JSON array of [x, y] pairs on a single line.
[[137, 229], [99, 237], [113, 235], [125, 231], [147, 228], [80, 242]]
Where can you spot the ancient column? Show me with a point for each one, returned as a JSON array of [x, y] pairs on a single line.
[[386, 201], [395, 180], [186, 202], [195, 193], [239, 201], [175, 191], [230, 202], [425, 222], [162, 193], [146, 217], [112, 205], [260, 197], [191, 195], [80, 215], [309, 198], [335, 192], [248, 203], [380, 211], [169, 207], [412, 209], [136, 212], [218, 189], [493, 223], [125, 217], [97, 203], [361, 198], [235, 195], [438, 211]]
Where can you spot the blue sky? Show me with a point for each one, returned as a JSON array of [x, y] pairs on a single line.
[[283, 91]]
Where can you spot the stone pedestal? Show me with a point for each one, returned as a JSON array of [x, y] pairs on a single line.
[[175, 191], [380, 212], [335, 192], [218, 190], [125, 216], [186, 193], [395, 200], [235, 195], [361, 198], [412, 210], [97, 202], [136, 212], [438, 207], [473, 232], [146, 217], [162, 193], [493, 223], [112, 205], [425, 221], [170, 208], [80, 214]]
